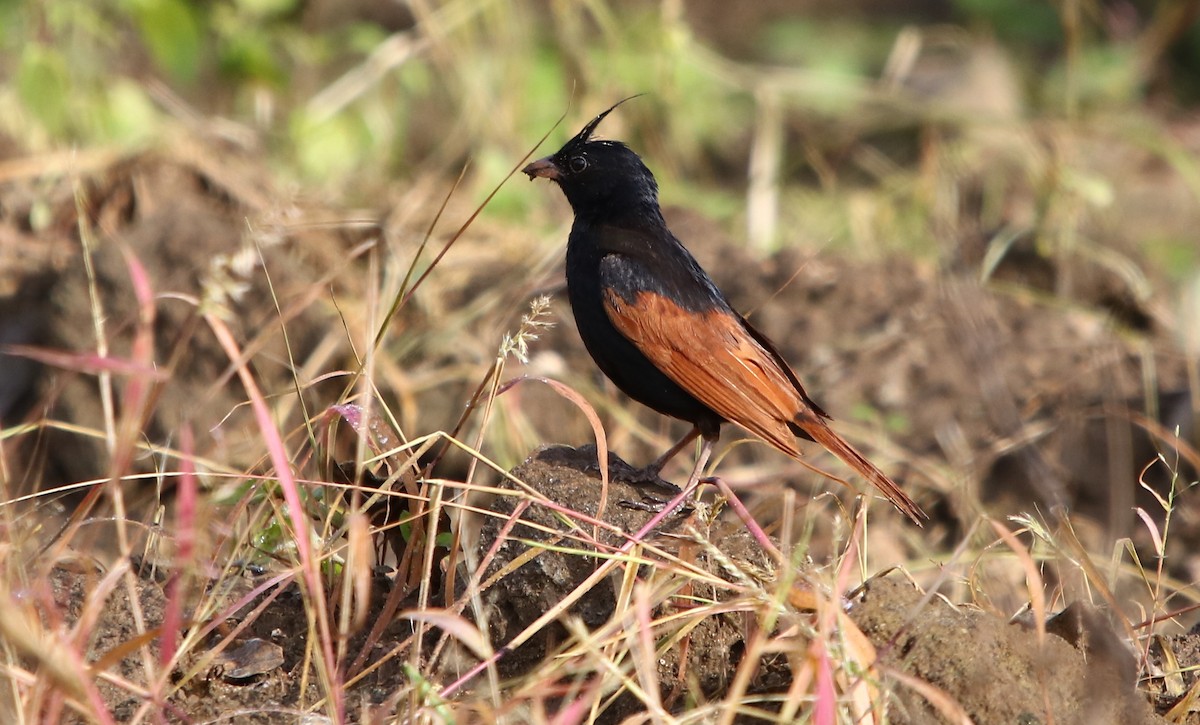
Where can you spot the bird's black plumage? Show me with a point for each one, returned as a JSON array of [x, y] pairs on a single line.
[[658, 326], [620, 241]]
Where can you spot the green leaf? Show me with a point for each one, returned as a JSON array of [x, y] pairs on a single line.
[[270, 538], [172, 34], [330, 147], [43, 87], [131, 115], [1018, 21], [250, 56], [267, 8]]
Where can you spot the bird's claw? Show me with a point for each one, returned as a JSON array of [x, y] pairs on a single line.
[[652, 504], [649, 476]]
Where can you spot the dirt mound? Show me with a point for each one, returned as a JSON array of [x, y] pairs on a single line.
[[996, 671]]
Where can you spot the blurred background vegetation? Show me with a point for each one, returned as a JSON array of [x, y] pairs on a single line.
[[344, 96], [1057, 138]]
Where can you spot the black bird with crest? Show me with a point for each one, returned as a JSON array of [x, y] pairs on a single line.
[[661, 330]]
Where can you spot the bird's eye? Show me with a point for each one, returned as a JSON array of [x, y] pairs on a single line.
[[578, 164]]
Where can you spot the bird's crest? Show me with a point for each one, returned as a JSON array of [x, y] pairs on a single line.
[[585, 134]]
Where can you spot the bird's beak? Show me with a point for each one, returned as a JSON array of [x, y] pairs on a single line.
[[545, 168]]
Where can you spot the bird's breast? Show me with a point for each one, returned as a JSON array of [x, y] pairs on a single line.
[[616, 356]]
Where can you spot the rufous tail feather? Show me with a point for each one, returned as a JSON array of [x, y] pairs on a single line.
[[835, 444]]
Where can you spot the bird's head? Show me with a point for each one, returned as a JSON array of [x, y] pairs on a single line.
[[598, 176]]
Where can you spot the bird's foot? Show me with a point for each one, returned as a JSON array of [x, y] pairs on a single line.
[[647, 480], [652, 504], [648, 476], [656, 492]]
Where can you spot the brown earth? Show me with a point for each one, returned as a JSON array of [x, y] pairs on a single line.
[[995, 671]]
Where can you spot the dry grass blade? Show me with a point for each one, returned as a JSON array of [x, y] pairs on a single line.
[[406, 293], [22, 630], [298, 517], [1033, 578], [356, 589], [1186, 706], [1172, 671], [593, 420], [462, 630], [601, 572], [85, 363], [185, 533]]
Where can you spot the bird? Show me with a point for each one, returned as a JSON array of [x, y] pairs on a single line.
[[659, 327]]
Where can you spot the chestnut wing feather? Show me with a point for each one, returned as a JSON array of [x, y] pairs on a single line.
[[710, 355], [725, 364]]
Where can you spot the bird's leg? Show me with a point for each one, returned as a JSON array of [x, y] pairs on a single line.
[[664, 509], [651, 475], [655, 469]]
